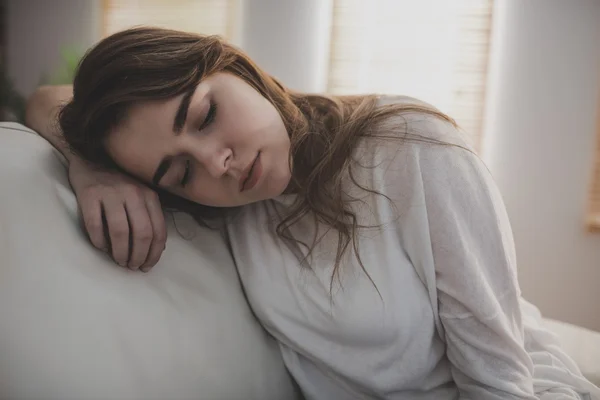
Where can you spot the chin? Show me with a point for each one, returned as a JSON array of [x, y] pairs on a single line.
[[282, 184], [278, 177], [275, 187]]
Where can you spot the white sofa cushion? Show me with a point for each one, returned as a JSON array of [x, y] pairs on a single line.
[[73, 325], [581, 344]]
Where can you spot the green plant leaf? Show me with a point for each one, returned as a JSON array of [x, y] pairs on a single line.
[[65, 73]]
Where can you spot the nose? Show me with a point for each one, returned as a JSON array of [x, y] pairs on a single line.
[[217, 162], [212, 155]]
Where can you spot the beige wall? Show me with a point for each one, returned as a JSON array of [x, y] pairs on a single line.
[[543, 99]]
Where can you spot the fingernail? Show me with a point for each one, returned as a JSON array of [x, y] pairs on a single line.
[[145, 269]]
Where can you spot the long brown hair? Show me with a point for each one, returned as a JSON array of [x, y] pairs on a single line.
[[150, 63]]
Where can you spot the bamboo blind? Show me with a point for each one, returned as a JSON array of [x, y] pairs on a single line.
[[435, 50], [211, 17]]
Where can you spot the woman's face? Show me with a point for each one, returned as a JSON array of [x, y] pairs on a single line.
[[222, 144]]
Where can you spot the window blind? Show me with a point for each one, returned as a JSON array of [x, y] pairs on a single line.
[[212, 17], [434, 50]]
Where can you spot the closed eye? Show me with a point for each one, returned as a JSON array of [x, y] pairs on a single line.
[[186, 174], [210, 115]]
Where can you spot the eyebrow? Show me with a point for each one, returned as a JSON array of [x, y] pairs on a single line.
[[178, 124], [182, 111]]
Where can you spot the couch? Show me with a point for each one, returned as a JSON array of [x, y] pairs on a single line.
[[73, 325]]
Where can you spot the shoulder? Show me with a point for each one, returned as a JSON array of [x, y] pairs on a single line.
[[415, 149], [413, 133], [414, 122]]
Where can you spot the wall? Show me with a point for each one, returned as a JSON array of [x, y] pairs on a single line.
[[36, 31], [542, 100], [298, 53]]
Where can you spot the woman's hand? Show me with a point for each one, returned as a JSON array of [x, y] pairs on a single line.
[[122, 216]]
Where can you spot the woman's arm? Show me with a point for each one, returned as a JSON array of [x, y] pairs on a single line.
[[478, 295], [42, 112], [121, 216], [476, 277]]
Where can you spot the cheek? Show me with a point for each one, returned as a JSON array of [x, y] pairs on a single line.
[[209, 192], [259, 117]]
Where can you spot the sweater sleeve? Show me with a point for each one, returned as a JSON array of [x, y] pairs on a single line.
[[475, 275]]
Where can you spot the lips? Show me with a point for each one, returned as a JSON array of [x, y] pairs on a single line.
[[250, 175]]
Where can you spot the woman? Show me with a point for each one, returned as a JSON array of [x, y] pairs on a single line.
[[371, 242]]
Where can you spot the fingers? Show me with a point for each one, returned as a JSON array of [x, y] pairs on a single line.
[[118, 230], [125, 217], [92, 219], [141, 230], [159, 239]]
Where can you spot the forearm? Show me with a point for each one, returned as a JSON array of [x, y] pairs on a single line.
[[42, 112]]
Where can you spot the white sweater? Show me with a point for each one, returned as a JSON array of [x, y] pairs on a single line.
[[445, 318]]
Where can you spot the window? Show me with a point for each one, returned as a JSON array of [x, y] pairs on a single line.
[[435, 50], [202, 16]]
